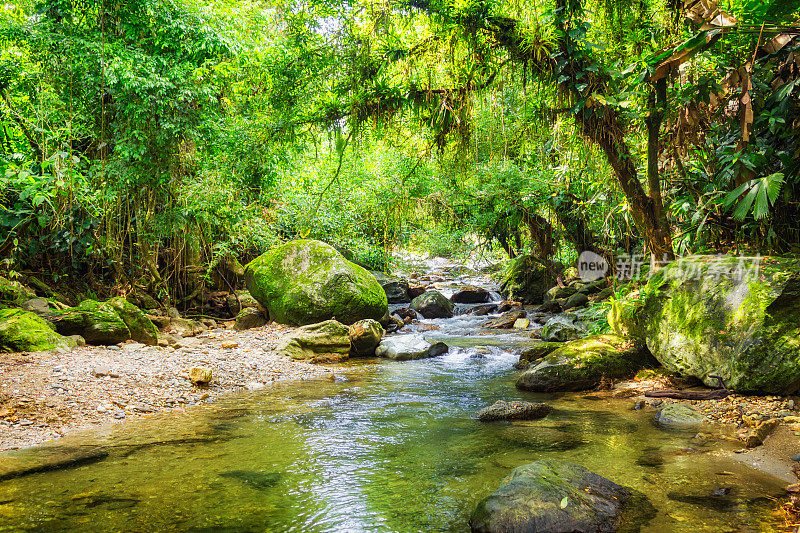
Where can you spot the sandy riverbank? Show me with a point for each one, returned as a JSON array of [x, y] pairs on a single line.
[[44, 396]]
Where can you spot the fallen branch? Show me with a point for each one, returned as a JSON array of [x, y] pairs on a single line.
[[689, 394]]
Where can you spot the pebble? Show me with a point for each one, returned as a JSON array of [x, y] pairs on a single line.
[[255, 385], [796, 458], [100, 371], [114, 348]]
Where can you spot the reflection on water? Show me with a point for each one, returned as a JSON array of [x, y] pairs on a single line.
[[395, 449]]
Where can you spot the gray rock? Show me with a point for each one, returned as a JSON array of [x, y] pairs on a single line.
[[432, 304], [396, 289], [558, 293], [408, 347], [517, 410], [37, 305]]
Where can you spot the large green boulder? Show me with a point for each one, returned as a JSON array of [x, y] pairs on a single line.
[[555, 496], [583, 364], [307, 281], [23, 331], [736, 318], [111, 322], [527, 280]]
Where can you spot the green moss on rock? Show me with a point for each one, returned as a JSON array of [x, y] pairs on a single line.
[[527, 280], [23, 331], [706, 316], [307, 281], [141, 328], [98, 323], [582, 364]]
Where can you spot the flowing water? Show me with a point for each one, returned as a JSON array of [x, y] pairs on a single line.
[[394, 448]]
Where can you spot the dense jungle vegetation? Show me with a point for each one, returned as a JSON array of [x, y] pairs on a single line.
[[157, 145]]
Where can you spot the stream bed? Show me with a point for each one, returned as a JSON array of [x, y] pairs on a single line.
[[394, 447]]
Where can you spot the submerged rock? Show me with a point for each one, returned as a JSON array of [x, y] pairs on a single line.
[[307, 281], [583, 364], [556, 496], [327, 341], [518, 410], [257, 480], [408, 347], [23, 331], [706, 316], [679, 414], [365, 335], [432, 304]]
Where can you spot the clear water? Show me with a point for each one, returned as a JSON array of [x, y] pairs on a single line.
[[393, 449]]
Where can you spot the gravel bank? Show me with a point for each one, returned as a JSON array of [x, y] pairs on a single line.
[[44, 396]]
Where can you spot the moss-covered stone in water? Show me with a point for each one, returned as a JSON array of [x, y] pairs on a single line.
[[141, 328], [307, 281], [23, 331], [582, 364], [551, 495], [700, 319], [98, 323], [327, 341]]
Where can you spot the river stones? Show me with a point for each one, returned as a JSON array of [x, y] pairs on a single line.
[[396, 289], [470, 295], [23, 331], [408, 347], [554, 496], [200, 375], [249, 318], [536, 353], [527, 280], [583, 364], [306, 281], [327, 341], [516, 410], [561, 329], [365, 335], [706, 316], [432, 304]]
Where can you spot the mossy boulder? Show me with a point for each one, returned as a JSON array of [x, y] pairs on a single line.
[[705, 316], [325, 342], [307, 281], [561, 329], [110, 322], [527, 280], [556, 496], [583, 364], [141, 328], [535, 353], [23, 331]]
